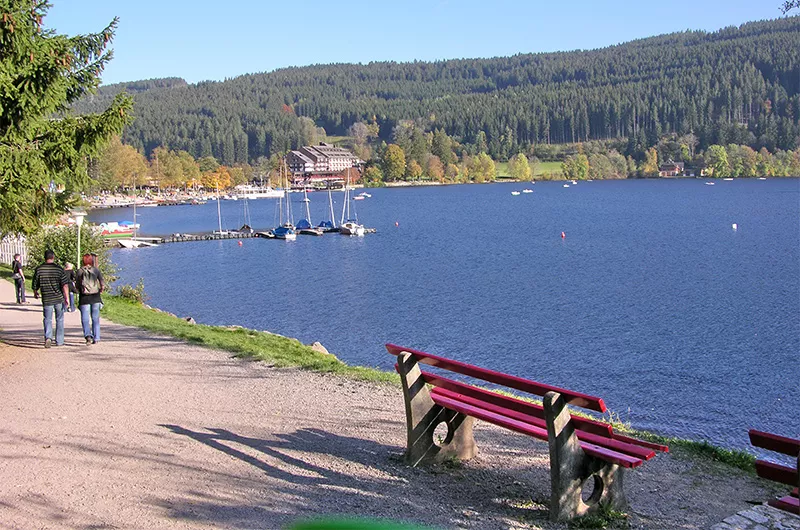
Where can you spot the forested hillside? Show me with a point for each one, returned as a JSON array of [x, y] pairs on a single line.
[[738, 85]]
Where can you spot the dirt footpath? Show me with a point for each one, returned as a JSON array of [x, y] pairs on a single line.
[[141, 431]]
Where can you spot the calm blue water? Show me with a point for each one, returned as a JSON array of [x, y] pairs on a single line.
[[652, 301]]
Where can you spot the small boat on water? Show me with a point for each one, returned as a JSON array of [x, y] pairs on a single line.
[[247, 191], [527, 191], [349, 226], [566, 185], [709, 183], [352, 228], [728, 179], [364, 194], [762, 178], [285, 231], [514, 193], [304, 226], [359, 198]]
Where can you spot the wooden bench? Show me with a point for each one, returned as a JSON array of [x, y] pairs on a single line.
[[580, 448], [777, 472]]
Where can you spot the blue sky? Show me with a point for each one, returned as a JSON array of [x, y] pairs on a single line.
[[200, 40]]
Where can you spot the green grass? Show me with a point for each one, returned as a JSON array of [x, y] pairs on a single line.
[[543, 170], [333, 139], [604, 518], [274, 349], [702, 449]]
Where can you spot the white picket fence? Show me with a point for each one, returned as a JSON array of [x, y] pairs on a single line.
[[11, 245]]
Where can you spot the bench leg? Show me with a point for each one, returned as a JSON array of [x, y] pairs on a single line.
[[423, 416], [570, 468]]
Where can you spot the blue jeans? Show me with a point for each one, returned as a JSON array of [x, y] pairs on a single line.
[[92, 310], [48, 322], [71, 302], [19, 283]]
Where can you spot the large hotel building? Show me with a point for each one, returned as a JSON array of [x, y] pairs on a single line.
[[322, 165]]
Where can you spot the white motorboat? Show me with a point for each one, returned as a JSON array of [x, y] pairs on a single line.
[[514, 193], [527, 191]]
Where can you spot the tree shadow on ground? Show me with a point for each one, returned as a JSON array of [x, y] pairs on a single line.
[[313, 472]]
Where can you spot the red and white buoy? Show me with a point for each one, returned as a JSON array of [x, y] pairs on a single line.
[[563, 235], [240, 242]]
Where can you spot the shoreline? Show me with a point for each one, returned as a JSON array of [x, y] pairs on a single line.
[[227, 442], [287, 352], [325, 362], [186, 198]]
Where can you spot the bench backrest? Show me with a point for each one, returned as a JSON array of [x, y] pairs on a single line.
[[517, 383], [774, 442]]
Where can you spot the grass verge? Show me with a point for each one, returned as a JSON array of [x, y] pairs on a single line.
[[274, 349]]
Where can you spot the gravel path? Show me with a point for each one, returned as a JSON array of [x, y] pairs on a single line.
[[141, 431]]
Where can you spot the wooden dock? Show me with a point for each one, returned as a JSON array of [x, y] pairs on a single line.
[[208, 236]]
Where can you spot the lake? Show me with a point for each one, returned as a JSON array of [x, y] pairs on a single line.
[[652, 300]]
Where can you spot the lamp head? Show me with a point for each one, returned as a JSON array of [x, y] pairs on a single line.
[[78, 217]]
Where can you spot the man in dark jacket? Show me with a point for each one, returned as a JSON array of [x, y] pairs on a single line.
[[19, 278], [53, 283]]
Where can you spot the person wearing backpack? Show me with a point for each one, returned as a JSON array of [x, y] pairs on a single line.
[[89, 282]]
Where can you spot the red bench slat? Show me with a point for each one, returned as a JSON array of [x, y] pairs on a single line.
[[537, 432], [773, 442], [776, 472], [518, 405], [643, 443], [573, 398], [532, 409], [603, 441], [788, 504]]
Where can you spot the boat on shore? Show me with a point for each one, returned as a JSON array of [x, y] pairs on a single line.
[[117, 230]]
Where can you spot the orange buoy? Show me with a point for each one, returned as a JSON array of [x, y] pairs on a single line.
[[563, 235], [396, 223], [240, 243]]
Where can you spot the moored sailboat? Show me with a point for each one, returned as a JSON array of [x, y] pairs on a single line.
[[349, 226], [304, 226]]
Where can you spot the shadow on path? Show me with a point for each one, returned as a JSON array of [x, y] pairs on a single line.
[[312, 472]]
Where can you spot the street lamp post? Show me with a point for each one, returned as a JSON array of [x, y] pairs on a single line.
[[79, 221]]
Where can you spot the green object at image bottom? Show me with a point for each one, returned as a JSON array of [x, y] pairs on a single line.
[[354, 524]]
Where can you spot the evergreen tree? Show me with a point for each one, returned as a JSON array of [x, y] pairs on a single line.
[[44, 148]]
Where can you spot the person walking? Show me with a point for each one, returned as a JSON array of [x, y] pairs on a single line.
[[19, 279], [53, 283], [68, 268], [90, 283]]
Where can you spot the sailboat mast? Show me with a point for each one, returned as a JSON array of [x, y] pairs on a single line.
[[308, 210], [330, 203], [134, 206], [219, 211]]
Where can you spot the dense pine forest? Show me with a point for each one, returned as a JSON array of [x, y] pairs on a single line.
[[739, 85]]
